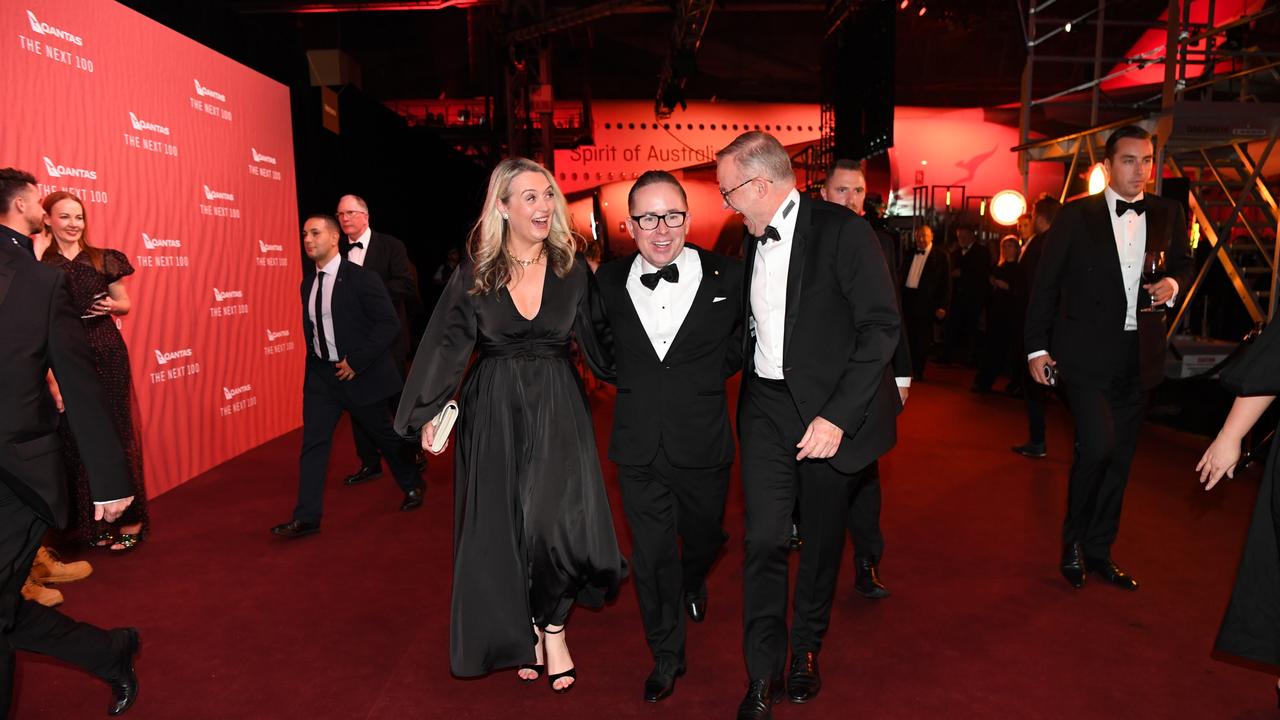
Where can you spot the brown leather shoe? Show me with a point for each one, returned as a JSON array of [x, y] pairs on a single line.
[[49, 569], [38, 593]]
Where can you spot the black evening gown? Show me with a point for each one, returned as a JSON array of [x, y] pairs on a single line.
[[111, 360], [1251, 627], [533, 532]]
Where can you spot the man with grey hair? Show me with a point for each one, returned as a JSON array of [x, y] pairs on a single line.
[[817, 406]]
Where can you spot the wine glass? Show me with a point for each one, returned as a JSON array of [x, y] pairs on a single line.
[[1152, 272]]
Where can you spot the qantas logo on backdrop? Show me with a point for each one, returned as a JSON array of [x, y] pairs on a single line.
[[41, 28], [203, 91], [274, 336], [269, 248], [163, 358], [215, 195], [221, 295], [259, 157], [231, 393], [144, 125], [151, 243], [58, 171]]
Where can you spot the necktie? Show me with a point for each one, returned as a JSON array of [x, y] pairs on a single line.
[[1138, 206], [358, 244], [770, 233], [670, 273], [321, 341], [921, 252]]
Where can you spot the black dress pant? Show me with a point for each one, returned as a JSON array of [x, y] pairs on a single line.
[[367, 446], [675, 515], [770, 426], [323, 401], [919, 329], [1107, 420], [864, 514], [1034, 394], [29, 626]]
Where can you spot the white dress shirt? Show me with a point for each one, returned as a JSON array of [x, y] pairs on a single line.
[[917, 268], [330, 271], [357, 254], [663, 309], [769, 289]]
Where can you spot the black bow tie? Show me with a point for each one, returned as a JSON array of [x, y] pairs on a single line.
[[770, 233], [358, 244], [1138, 206], [921, 252], [670, 273]]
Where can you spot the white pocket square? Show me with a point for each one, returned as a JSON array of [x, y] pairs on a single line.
[[719, 299]]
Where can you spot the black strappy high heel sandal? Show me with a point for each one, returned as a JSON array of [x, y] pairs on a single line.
[[570, 673], [540, 668]]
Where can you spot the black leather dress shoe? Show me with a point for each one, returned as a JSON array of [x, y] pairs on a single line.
[[795, 542], [1073, 567], [363, 475], [413, 498], [661, 683], [866, 579], [1034, 451], [695, 603], [124, 689], [1107, 570], [803, 682], [295, 529], [761, 696]]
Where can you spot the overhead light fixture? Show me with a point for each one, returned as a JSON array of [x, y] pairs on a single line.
[[1067, 27], [903, 5], [1007, 206], [1097, 179], [923, 10]]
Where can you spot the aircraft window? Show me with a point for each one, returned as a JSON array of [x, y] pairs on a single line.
[[788, 128], [766, 128], [643, 126], [666, 126], [701, 127], [606, 126], [735, 126], [575, 176], [810, 128], [677, 126], [562, 177], [757, 126]]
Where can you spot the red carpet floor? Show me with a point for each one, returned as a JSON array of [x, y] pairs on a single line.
[[353, 623]]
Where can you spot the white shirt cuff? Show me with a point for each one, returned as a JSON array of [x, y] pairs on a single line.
[[107, 502], [1174, 296], [903, 381], [1037, 354]]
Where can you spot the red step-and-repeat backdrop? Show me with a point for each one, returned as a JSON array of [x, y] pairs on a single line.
[[184, 159]]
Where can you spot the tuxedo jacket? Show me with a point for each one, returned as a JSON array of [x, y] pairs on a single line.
[[1078, 303], [1027, 265], [934, 291], [388, 258], [39, 331], [972, 286], [365, 326], [840, 328], [676, 403], [901, 354]]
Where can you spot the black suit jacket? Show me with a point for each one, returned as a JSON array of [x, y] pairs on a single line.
[[365, 326], [676, 403], [841, 326], [39, 331], [1027, 264], [388, 258], [1078, 303], [901, 354], [972, 285], [934, 290]]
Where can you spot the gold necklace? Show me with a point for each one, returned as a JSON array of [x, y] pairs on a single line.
[[527, 263]]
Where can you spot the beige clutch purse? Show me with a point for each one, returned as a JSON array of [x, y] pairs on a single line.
[[444, 425]]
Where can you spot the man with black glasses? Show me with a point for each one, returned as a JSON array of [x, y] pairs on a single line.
[[676, 316]]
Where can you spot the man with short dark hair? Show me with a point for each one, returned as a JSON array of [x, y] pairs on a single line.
[[676, 320], [1098, 325], [43, 332], [387, 257], [846, 185], [818, 402], [349, 324], [1046, 209]]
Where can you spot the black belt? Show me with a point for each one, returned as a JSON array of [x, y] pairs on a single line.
[[768, 381], [526, 351]]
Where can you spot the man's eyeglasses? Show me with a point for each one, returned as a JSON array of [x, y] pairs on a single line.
[[726, 193], [350, 213], [673, 219]]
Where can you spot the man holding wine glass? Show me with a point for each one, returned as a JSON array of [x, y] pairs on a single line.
[[1096, 328]]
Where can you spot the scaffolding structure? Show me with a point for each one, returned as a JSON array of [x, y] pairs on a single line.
[[1213, 129]]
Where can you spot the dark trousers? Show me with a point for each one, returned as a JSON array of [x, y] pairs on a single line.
[[1107, 420], [675, 515], [919, 329], [864, 513], [323, 401], [367, 446], [29, 626], [960, 331], [1033, 393], [770, 426]]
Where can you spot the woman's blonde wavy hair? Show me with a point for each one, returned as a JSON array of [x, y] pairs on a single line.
[[487, 242]]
